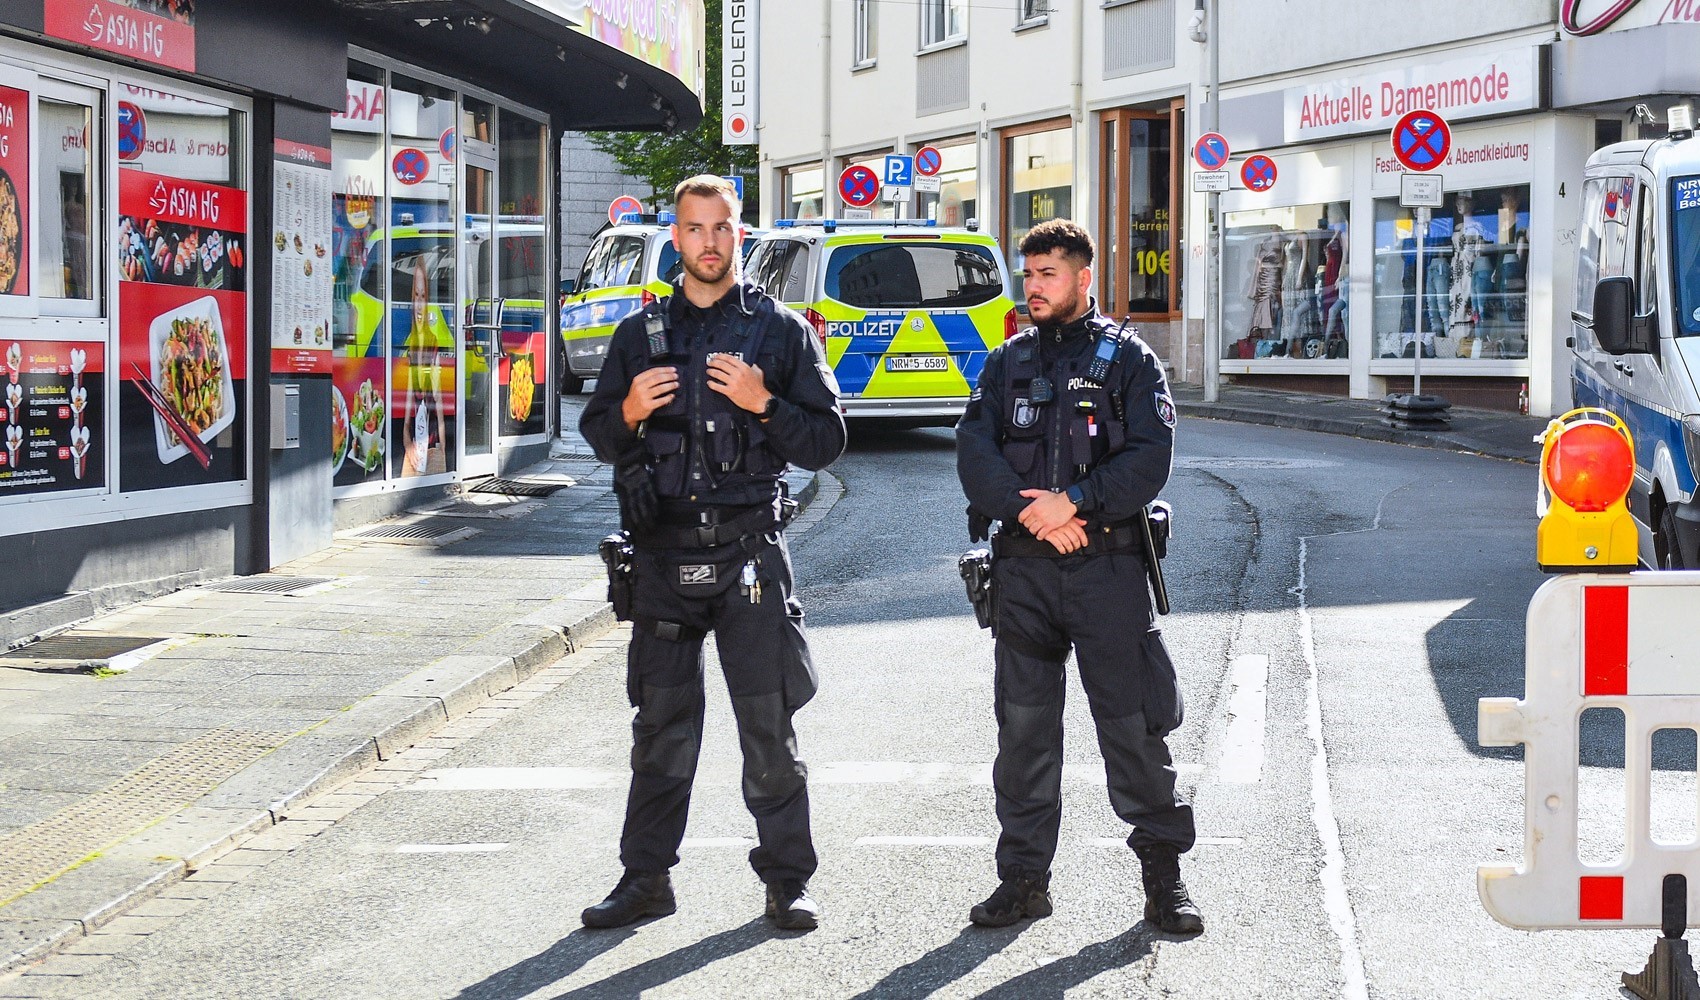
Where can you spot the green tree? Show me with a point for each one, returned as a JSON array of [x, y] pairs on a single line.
[[663, 159]]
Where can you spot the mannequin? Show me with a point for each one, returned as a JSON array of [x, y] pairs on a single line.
[[1335, 273], [1263, 284], [1514, 257], [1468, 239], [1297, 317]]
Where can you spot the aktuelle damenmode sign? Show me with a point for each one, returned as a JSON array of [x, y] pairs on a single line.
[[1493, 83]]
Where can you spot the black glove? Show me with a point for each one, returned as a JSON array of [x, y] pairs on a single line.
[[979, 526], [638, 502]]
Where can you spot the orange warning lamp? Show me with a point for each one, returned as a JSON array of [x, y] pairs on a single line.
[[1587, 467]]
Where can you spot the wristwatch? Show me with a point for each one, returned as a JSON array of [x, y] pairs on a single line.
[[1076, 496], [771, 408]]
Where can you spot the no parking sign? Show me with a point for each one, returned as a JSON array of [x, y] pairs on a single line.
[[411, 166], [1258, 172]]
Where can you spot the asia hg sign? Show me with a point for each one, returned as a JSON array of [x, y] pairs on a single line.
[[1493, 83], [740, 62]]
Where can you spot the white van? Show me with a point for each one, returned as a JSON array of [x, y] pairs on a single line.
[[1636, 325]]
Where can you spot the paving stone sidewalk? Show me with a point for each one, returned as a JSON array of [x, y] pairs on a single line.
[[241, 705], [1484, 432]]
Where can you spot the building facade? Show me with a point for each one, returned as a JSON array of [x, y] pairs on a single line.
[[1091, 110], [271, 269]]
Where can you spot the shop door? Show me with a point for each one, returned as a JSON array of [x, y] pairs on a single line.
[[482, 314]]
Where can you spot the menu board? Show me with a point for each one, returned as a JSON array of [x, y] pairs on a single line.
[[53, 413], [156, 31], [14, 191], [182, 331], [303, 278]]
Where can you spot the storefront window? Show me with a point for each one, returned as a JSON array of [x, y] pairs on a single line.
[[957, 200], [1475, 277], [182, 242], [1139, 272], [522, 275], [803, 193], [359, 373], [1041, 187], [67, 266], [1285, 282]]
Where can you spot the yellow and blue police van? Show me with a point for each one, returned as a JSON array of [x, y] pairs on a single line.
[[908, 310]]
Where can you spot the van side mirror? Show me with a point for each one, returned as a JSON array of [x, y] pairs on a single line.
[[1616, 327], [568, 285]]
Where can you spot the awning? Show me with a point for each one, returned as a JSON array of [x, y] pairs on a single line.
[[642, 72]]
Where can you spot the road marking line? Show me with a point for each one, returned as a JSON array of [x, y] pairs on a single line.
[[716, 842], [1242, 748], [450, 848], [1199, 842], [488, 779], [923, 842]]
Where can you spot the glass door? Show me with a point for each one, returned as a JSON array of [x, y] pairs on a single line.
[[482, 316]]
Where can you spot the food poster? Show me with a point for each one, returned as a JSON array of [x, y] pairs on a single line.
[[303, 276], [157, 31], [183, 332], [14, 191], [53, 412], [525, 342]]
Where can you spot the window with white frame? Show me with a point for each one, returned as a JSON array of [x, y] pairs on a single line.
[[943, 21], [1031, 11], [865, 35]]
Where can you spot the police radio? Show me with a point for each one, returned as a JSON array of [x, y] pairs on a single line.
[[1040, 391], [1104, 358], [655, 329]]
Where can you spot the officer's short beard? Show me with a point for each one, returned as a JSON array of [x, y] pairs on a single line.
[[1061, 310], [709, 277]]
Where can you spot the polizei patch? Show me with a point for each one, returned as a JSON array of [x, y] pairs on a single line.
[[1165, 408], [689, 575], [1026, 414]]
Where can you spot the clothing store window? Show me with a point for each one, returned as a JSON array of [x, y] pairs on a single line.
[[864, 37], [1475, 295], [803, 193], [943, 21], [1039, 176], [1285, 282], [957, 199]]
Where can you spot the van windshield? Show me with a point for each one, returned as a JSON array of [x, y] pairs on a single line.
[[1685, 223]]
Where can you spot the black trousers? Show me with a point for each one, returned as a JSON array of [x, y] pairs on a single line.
[[681, 595], [1100, 606]]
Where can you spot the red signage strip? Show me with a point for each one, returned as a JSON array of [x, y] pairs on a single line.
[[191, 203], [302, 153], [127, 28], [1605, 641]]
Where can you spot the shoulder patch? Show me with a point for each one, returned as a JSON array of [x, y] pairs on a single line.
[[827, 377], [1165, 408]]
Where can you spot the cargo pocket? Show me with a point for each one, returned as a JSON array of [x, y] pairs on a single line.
[[1163, 708], [1022, 454], [667, 452], [797, 671], [759, 459]]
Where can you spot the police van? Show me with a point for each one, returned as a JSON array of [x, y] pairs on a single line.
[[1636, 324], [907, 310], [630, 264]]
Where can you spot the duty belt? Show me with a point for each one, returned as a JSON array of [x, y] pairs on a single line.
[[1101, 540], [707, 527]]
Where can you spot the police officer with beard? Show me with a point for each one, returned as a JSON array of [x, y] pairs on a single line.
[[704, 398], [1067, 438]]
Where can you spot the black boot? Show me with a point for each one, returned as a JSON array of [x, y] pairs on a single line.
[[1026, 894], [789, 905], [1167, 906], [638, 895]]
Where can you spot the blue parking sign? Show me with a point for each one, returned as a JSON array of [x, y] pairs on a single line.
[[899, 170], [737, 183]]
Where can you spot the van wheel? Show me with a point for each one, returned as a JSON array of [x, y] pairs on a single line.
[[571, 385], [1664, 540]]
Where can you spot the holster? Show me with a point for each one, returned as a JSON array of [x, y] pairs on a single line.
[[618, 557], [1155, 524], [975, 566]]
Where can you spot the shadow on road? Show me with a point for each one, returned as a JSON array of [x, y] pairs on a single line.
[[675, 965], [563, 958], [875, 436], [943, 965], [1057, 978]]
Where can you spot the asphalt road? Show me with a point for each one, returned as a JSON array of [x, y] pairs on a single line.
[[1368, 593]]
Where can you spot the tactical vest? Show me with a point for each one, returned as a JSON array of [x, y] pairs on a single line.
[[1054, 445], [701, 441]]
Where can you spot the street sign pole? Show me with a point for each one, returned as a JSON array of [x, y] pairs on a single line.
[[1422, 305], [1213, 222], [1421, 141]]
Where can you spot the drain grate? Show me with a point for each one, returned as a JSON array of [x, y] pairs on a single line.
[[488, 510], [82, 646], [520, 487], [268, 584], [424, 529]]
